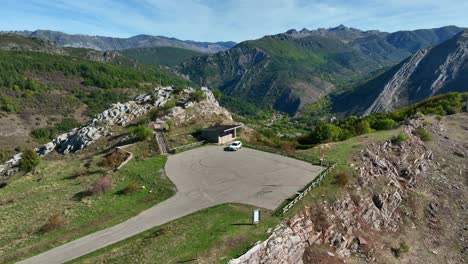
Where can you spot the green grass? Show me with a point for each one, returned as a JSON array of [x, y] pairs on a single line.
[[28, 201], [213, 235]]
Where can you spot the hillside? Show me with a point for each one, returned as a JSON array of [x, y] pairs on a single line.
[[293, 69], [432, 71], [110, 43], [40, 90], [165, 56]]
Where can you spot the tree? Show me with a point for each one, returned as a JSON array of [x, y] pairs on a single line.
[[140, 132], [29, 160], [362, 127]]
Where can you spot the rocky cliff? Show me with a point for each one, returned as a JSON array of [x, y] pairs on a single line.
[[441, 69], [400, 201]]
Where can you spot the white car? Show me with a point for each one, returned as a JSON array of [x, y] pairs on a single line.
[[235, 145]]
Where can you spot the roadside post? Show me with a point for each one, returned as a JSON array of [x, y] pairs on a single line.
[[256, 216]]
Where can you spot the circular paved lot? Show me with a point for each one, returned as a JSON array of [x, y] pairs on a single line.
[[245, 176]]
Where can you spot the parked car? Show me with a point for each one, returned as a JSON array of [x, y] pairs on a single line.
[[235, 145]]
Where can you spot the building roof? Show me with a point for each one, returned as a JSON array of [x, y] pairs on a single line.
[[222, 128]]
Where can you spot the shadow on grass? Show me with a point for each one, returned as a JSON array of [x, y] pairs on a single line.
[[78, 174], [188, 260], [242, 224], [81, 195]]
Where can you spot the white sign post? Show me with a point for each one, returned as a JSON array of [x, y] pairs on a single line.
[[256, 216]]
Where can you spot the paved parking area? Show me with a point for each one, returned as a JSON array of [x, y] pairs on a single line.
[[204, 177], [245, 176]]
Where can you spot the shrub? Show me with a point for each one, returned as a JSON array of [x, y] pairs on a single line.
[[130, 188], [322, 133], [102, 185], [169, 125], [424, 134], [54, 222], [140, 132], [29, 160], [153, 114], [384, 124], [400, 138], [198, 95], [179, 88], [362, 127], [341, 178], [168, 105], [217, 93], [398, 251], [461, 155]]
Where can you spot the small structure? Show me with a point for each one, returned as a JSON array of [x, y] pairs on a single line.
[[220, 134]]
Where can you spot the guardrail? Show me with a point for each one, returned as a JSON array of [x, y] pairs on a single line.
[[315, 182], [301, 194], [312, 160], [192, 145]]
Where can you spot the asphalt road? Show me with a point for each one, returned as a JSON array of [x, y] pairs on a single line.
[[204, 177]]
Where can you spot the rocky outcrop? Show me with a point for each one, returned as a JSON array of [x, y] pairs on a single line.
[[429, 72], [385, 171], [390, 93], [121, 114]]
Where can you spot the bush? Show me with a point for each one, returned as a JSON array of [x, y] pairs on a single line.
[[400, 138], [140, 132], [168, 105], [384, 124], [322, 133], [403, 248], [341, 178], [217, 93], [424, 134], [54, 222], [131, 188], [102, 185], [29, 160], [153, 114], [198, 95], [179, 88]]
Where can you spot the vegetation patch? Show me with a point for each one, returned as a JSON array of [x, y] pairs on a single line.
[[400, 138], [29, 160], [400, 250], [423, 134]]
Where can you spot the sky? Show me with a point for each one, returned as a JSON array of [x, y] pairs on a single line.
[[223, 20]]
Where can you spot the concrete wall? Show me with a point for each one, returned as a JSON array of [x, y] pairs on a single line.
[[225, 139]]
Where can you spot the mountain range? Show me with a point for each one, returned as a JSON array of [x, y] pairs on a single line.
[[289, 70], [362, 71], [111, 43], [430, 71]]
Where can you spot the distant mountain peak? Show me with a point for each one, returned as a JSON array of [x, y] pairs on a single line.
[[112, 43]]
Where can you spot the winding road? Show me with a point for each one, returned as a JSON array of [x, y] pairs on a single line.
[[204, 177]]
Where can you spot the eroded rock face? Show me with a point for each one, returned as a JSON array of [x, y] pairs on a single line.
[[386, 169]]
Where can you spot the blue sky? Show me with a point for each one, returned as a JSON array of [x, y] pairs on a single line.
[[220, 20]]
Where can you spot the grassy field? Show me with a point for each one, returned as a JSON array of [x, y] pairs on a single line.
[[220, 233], [58, 188], [213, 235]]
